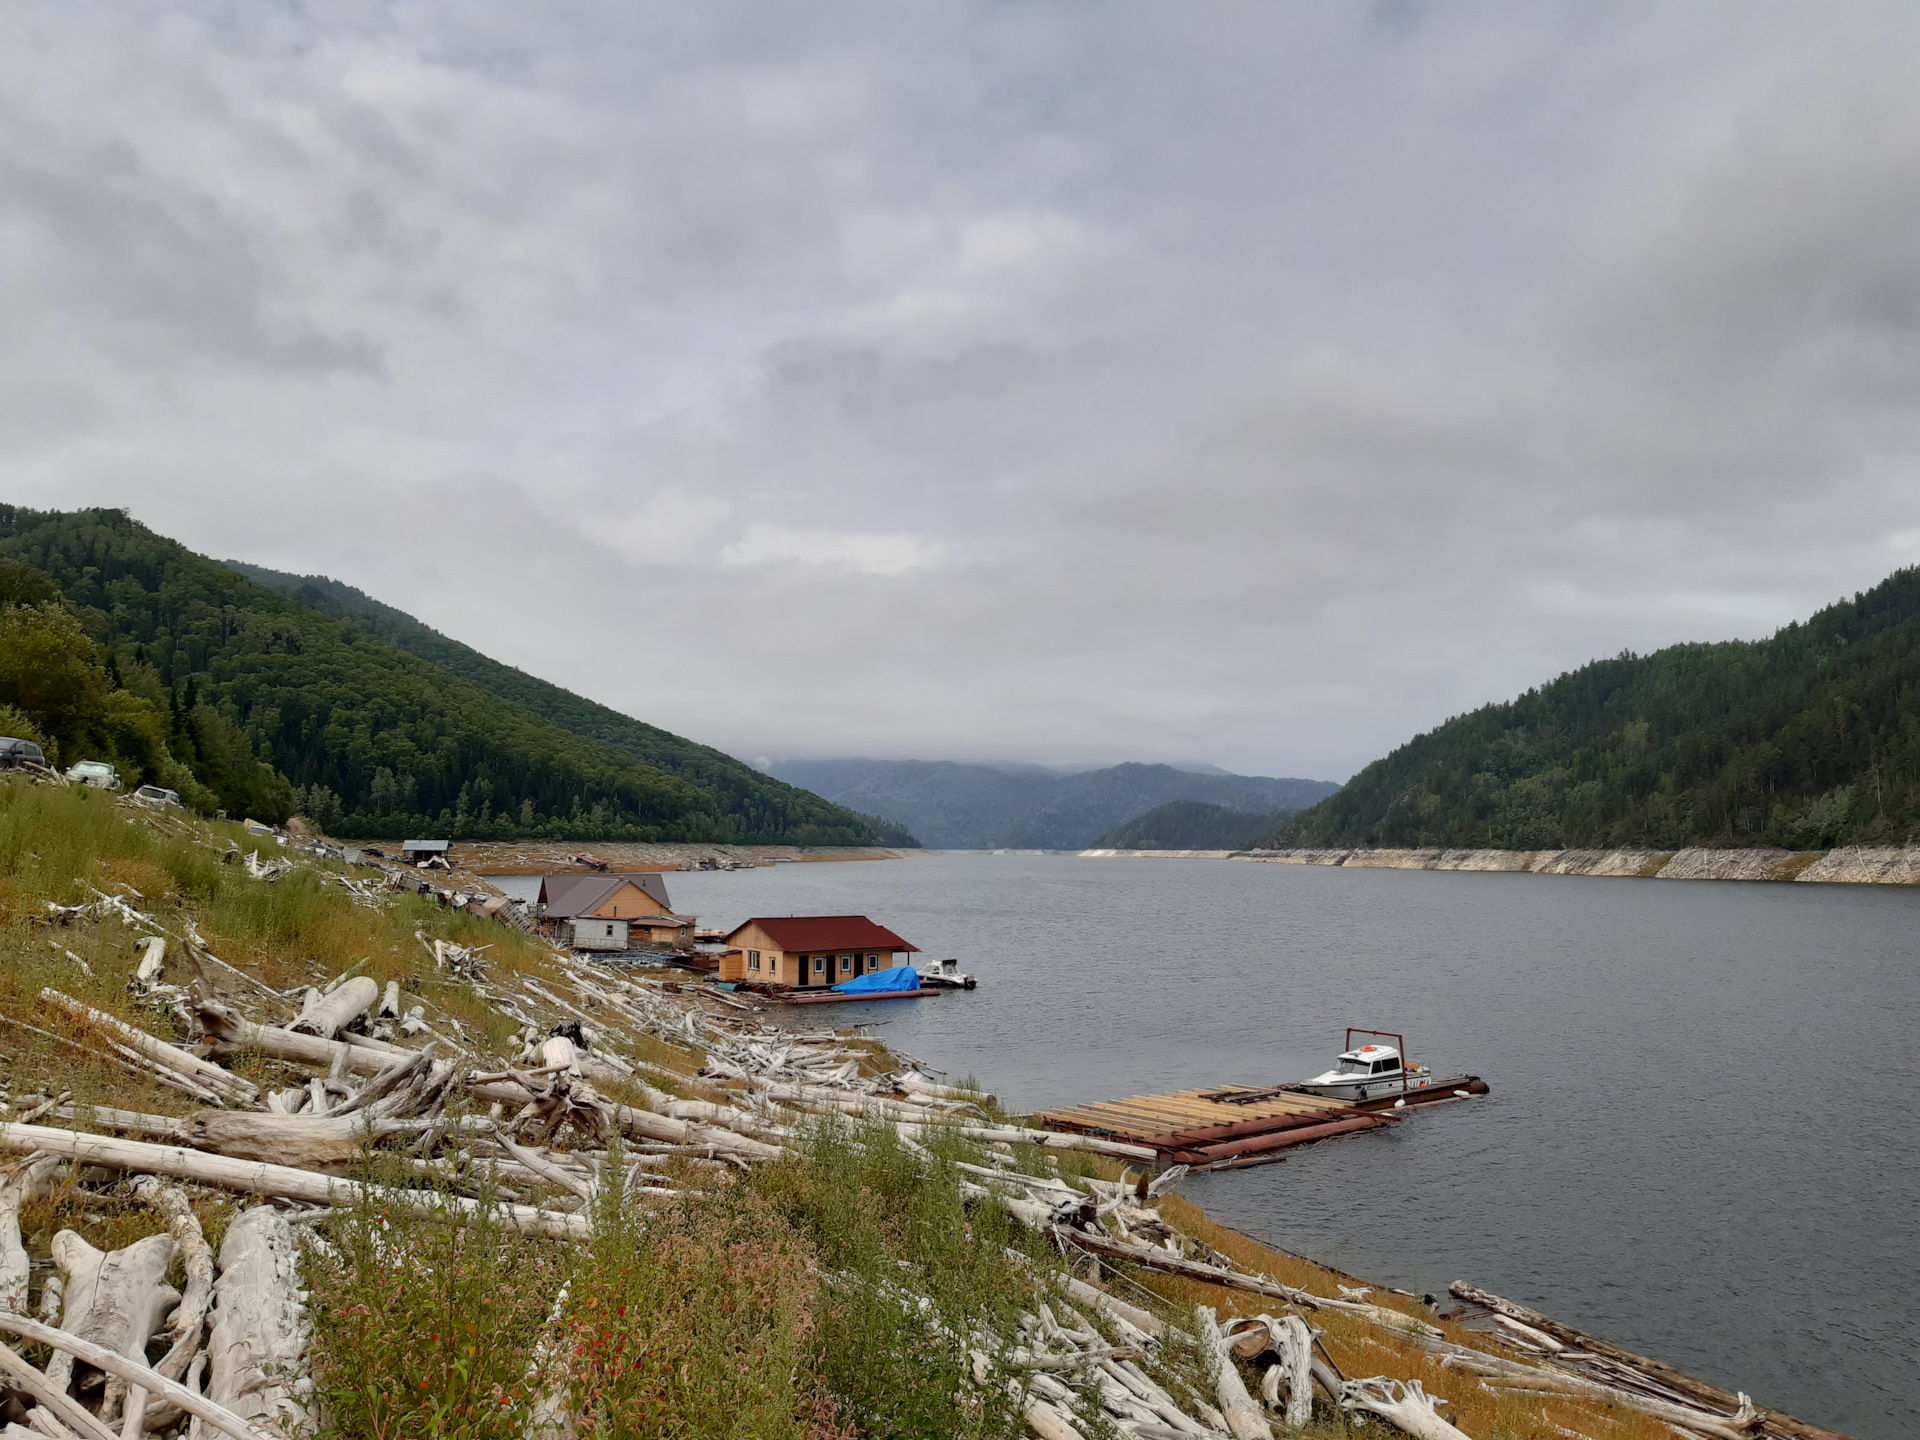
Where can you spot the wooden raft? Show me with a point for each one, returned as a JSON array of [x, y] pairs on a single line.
[[1236, 1125]]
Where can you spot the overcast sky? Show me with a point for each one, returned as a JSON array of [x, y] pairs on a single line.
[[1253, 383]]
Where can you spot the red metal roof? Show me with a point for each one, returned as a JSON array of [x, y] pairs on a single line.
[[825, 932]]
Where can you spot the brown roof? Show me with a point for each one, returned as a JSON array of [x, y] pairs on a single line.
[[568, 895], [825, 932]]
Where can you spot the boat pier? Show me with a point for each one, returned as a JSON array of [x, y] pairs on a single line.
[[1239, 1125]]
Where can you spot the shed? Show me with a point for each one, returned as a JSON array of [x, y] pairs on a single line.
[[811, 950], [417, 850], [598, 935]]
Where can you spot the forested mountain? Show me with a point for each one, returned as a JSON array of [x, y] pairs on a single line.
[[737, 786], [965, 807], [359, 733], [1190, 825], [1808, 739]]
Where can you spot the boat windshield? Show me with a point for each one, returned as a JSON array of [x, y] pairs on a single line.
[[1352, 1067]]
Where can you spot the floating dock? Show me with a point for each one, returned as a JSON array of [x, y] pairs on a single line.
[[1238, 1125], [830, 997]]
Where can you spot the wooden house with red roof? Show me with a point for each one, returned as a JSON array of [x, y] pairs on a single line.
[[811, 951]]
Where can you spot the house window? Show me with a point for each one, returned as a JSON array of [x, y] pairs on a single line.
[[773, 966], [873, 963], [753, 959], [846, 964], [819, 964]]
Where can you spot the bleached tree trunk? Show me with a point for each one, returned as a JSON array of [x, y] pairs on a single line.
[[132, 1372], [307, 1142], [329, 1014], [170, 1057], [197, 1257], [254, 1177], [1403, 1404], [25, 1181], [113, 1300], [75, 1416], [1243, 1416], [259, 1340]]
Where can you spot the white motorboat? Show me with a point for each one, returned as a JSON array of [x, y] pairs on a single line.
[[1369, 1072], [947, 976]]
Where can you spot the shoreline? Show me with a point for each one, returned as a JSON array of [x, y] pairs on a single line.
[[1847, 865]]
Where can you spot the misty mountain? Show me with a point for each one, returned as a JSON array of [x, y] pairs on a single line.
[[971, 807]]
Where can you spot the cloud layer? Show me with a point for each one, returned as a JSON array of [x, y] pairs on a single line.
[[1251, 383]]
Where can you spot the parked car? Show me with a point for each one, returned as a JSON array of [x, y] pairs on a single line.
[[97, 773], [14, 753], [154, 795]]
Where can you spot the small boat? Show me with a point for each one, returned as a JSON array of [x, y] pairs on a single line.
[[947, 977], [1370, 1072]]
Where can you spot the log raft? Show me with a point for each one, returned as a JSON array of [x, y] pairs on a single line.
[[1236, 1125]]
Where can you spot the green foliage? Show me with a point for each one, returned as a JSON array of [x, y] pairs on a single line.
[[425, 1329], [909, 1273], [1191, 825], [693, 1320], [263, 694], [764, 808], [1808, 739]]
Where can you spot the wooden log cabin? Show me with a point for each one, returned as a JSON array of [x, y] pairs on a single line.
[[810, 951]]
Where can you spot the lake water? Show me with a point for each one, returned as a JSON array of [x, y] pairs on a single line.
[[1702, 1140]]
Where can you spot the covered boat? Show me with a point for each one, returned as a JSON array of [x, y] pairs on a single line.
[[881, 982]]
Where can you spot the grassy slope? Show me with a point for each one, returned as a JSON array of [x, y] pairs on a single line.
[[740, 788], [778, 1306], [1808, 739], [398, 739]]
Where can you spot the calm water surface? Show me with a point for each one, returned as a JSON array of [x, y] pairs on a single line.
[[1701, 1143]]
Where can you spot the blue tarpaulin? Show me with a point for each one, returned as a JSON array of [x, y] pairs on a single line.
[[881, 982]]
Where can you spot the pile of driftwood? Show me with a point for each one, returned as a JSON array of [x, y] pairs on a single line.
[[532, 1142]]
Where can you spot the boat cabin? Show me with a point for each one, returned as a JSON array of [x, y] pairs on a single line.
[[1369, 1060], [810, 951]]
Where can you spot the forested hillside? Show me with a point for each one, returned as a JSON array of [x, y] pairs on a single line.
[[1808, 739], [739, 787], [313, 714], [1190, 825], [955, 806]]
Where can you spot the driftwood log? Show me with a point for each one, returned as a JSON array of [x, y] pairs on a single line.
[[75, 1416], [1403, 1404], [224, 1083], [327, 1015], [197, 1259], [131, 1372], [25, 1181], [260, 1331], [1708, 1396], [254, 1177], [114, 1300], [1244, 1418], [306, 1142]]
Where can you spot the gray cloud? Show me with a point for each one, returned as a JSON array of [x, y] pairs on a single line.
[[1258, 384]]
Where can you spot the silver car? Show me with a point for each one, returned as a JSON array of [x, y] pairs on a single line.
[[97, 773], [154, 795]]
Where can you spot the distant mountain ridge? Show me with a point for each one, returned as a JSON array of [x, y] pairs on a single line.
[[953, 806], [1807, 740]]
